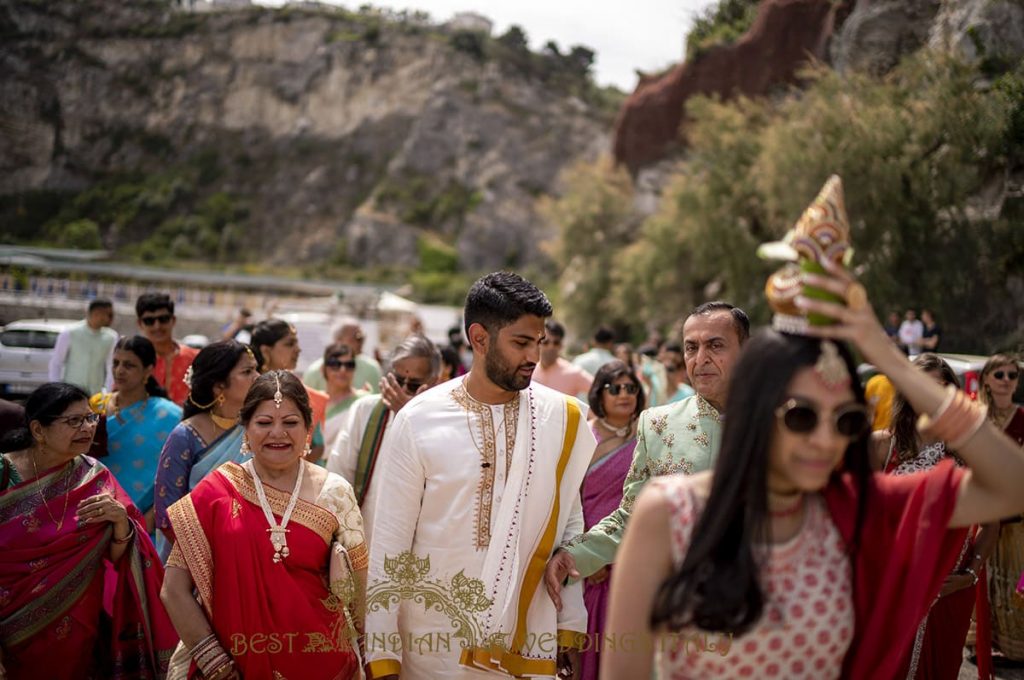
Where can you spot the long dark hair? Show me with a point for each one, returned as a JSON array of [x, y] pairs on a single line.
[[212, 365], [47, 403], [717, 587], [140, 346], [907, 442], [607, 374], [268, 332]]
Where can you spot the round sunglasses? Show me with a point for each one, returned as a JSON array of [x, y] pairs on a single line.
[[801, 417], [1009, 375]]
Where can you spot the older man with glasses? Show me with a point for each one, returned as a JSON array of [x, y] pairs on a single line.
[[154, 313], [415, 367], [681, 437]]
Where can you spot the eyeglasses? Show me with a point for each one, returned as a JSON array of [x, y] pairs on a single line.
[[1008, 375], [338, 363], [150, 320], [801, 417], [614, 390], [76, 422], [408, 384]]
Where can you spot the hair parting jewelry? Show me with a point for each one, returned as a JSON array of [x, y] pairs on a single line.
[[278, 397], [830, 367]]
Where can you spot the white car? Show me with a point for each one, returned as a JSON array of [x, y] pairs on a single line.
[[25, 351]]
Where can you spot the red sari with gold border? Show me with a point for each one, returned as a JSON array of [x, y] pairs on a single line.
[[279, 621], [65, 610]]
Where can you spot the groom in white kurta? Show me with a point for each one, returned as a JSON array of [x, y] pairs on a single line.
[[478, 484]]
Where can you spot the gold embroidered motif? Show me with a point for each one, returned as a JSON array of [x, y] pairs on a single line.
[[703, 439], [659, 423], [236, 508], [692, 427], [321, 521], [660, 468], [195, 548], [360, 556], [36, 565], [488, 454], [64, 628], [706, 410], [31, 523]]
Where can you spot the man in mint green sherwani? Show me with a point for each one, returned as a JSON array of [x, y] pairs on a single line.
[[680, 437], [83, 352]]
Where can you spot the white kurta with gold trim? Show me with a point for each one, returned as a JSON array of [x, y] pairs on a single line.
[[470, 501]]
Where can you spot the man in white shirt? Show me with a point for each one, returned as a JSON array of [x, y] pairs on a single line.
[[911, 332], [479, 482], [83, 352], [415, 368]]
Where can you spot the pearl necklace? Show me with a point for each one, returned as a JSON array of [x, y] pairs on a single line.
[[619, 431], [278, 532]]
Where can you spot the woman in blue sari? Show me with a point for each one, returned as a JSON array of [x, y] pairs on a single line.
[[210, 434], [138, 418]]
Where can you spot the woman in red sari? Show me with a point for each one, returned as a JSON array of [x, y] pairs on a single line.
[[274, 547], [937, 650], [79, 577]]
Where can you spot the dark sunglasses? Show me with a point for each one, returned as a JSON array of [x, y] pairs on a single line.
[[801, 417], [408, 384], [338, 363], [1009, 375], [150, 320], [615, 389]]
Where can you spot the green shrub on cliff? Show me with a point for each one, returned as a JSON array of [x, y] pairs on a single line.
[[917, 151]]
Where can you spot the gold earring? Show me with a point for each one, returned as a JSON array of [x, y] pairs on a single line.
[[306, 452], [244, 450]]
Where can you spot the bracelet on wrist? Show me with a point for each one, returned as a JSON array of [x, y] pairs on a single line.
[[128, 536], [973, 574]]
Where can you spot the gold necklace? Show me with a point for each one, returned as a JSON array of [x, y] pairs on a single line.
[[67, 493], [222, 422]]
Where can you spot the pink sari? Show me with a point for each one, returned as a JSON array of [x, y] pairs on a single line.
[[601, 494], [65, 610]]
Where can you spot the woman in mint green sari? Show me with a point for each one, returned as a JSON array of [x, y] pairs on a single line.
[[138, 418], [210, 434]]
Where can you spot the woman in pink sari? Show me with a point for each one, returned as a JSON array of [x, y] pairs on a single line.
[[79, 577], [274, 547], [616, 400]]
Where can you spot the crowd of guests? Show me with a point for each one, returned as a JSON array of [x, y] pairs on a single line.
[[172, 512]]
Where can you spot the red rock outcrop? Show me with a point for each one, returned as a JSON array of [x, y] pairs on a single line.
[[785, 34]]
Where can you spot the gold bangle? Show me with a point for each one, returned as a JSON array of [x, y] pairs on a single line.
[[131, 533]]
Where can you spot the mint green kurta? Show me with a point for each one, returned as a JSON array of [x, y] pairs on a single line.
[[680, 437]]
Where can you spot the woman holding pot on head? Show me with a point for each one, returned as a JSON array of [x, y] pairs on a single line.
[[79, 577], [138, 419], [274, 548], [210, 434], [277, 349]]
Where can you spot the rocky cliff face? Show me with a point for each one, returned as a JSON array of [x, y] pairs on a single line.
[[869, 35], [345, 136]]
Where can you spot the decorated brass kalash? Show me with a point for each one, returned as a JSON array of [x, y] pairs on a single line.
[[822, 233]]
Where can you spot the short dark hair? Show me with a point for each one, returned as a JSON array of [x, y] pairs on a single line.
[[337, 349], [46, 403], [153, 302], [613, 370], [552, 327], [603, 335], [740, 320], [264, 389], [500, 298], [673, 347], [100, 303]]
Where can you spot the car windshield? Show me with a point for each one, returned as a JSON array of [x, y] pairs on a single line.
[[29, 338]]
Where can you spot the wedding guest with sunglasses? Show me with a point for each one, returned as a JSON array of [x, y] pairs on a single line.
[[675, 438], [616, 400], [79, 577], [415, 368], [792, 559], [154, 313], [937, 648], [999, 379], [338, 368]]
